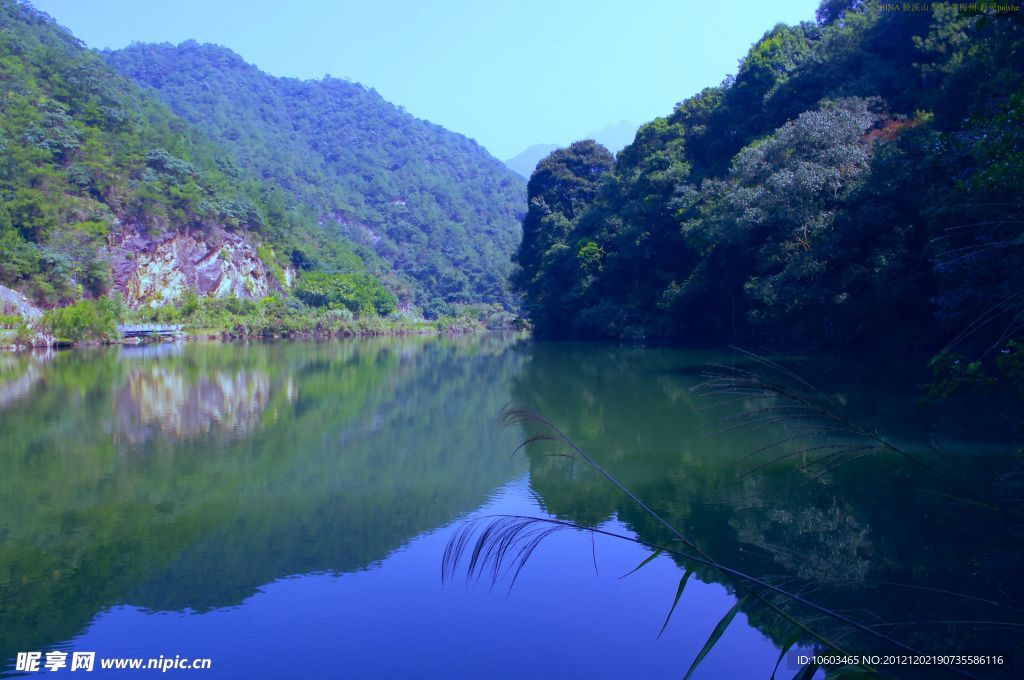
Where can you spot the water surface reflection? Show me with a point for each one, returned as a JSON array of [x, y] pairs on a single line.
[[276, 506]]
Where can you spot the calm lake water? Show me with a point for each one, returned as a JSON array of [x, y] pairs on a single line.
[[283, 510]]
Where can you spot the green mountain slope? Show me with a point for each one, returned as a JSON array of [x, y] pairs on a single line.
[[857, 183], [86, 157], [432, 204]]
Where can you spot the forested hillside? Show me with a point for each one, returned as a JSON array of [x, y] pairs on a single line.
[[85, 154], [432, 204], [104, 189], [858, 183]]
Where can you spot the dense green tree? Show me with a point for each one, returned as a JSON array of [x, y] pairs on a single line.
[[857, 183], [769, 227], [558, 192], [358, 293]]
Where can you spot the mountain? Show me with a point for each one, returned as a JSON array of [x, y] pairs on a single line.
[[859, 182], [103, 188], [429, 204], [526, 161], [612, 137]]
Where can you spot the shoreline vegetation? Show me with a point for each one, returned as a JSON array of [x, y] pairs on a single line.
[[91, 322]]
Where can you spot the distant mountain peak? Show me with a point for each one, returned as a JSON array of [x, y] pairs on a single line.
[[613, 137], [526, 160]]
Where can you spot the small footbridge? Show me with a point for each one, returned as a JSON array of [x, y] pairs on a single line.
[[149, 330]]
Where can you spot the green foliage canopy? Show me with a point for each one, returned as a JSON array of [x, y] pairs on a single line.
[[360, 293], [856, 184]]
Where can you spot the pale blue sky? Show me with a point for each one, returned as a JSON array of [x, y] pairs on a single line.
[[508, 74]]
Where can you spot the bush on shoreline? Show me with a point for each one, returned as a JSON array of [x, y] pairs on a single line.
[[95, 320], [87, 320]]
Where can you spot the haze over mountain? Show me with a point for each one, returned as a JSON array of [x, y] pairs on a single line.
[[526, 160], [613, 137]]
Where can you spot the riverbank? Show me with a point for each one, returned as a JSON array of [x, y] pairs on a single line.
[[91, 322], [14, 340]]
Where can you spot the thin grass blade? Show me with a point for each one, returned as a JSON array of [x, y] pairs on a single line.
[[650, 558], [679, 594], [788, 645], [807, 672], [960, 499], [716, 635]]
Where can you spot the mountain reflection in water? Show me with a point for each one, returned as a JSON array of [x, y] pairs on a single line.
[[258, 503]]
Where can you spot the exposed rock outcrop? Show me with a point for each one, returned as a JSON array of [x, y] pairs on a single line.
[[13, 302], [155, 270]]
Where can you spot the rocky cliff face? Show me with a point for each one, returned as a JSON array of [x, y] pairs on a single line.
[[156, 270], [13, 302]]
